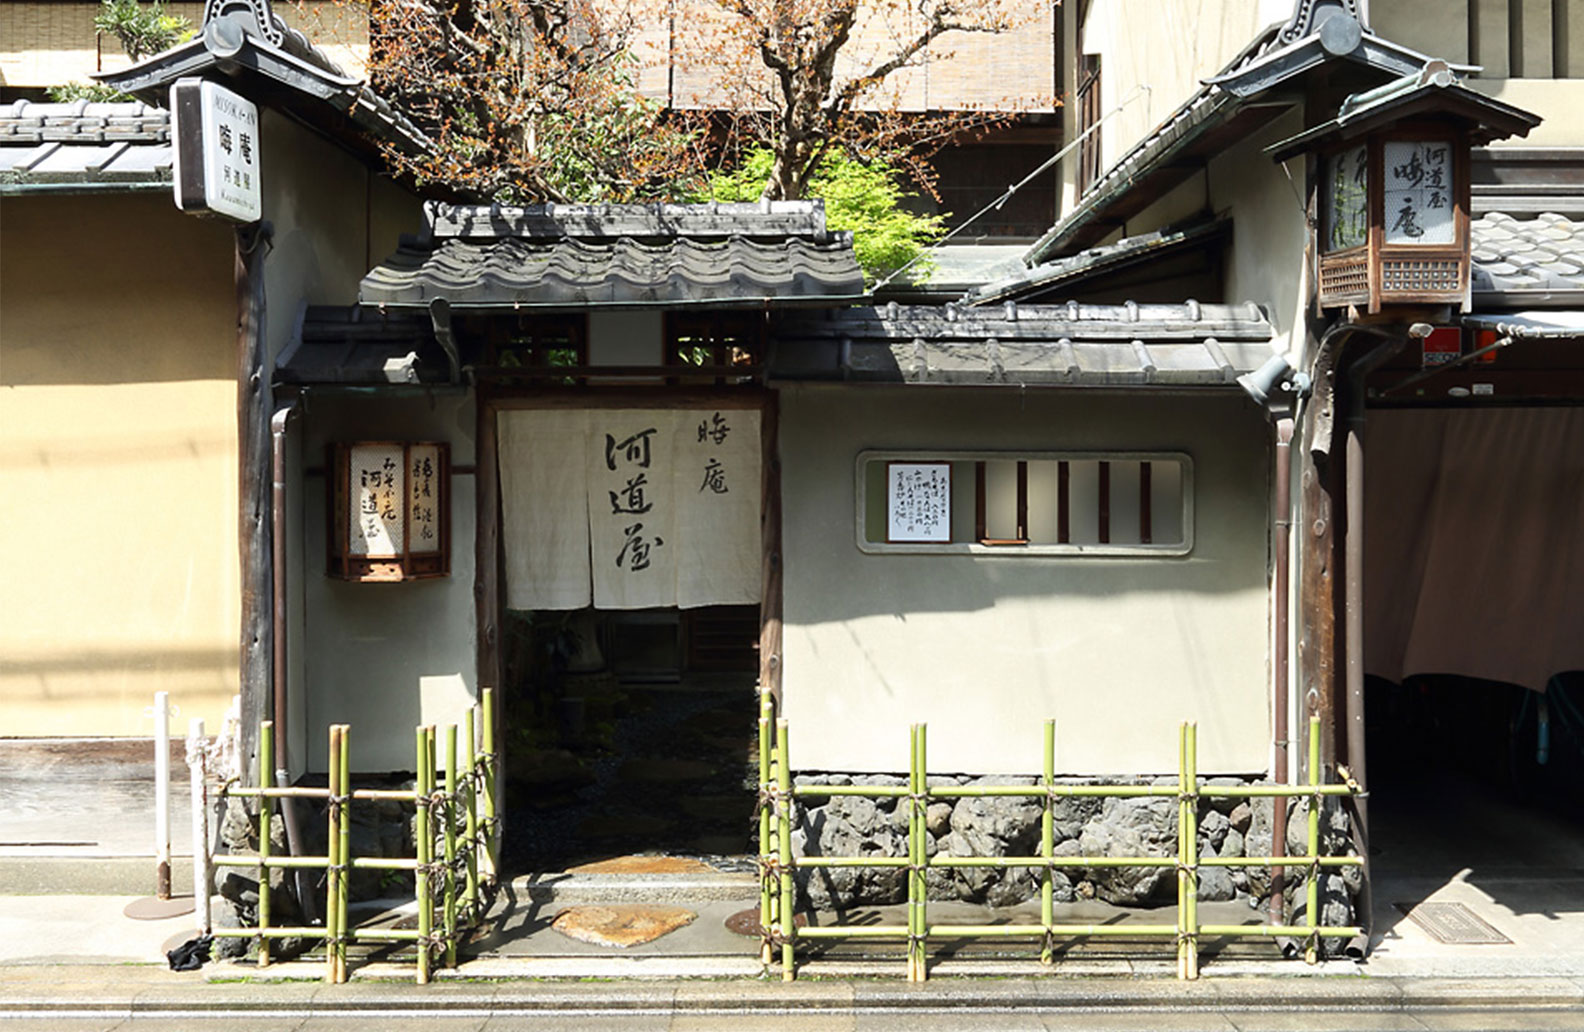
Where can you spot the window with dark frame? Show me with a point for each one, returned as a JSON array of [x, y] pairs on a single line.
[[1065, 504], [540, 345], [713, 347]]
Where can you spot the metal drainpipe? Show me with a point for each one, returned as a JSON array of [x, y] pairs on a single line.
[[278, 710], [1282, 547], [1353, 614]]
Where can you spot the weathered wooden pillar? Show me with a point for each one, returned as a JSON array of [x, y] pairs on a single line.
[[770, 536], [254, 410]]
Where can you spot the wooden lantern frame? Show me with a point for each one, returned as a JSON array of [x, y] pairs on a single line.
[[1378, 273], [405, 563]]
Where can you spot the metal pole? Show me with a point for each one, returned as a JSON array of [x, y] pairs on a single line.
[[162, 836], [1280, 675], [200, 825]]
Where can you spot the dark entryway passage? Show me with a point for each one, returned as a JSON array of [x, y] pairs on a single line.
[[630, 732]]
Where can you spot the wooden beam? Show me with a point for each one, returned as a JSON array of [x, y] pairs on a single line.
[[770, 637]]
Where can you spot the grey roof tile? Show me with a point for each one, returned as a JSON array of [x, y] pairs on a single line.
[[1181, 345], [576, 257], [1527, 260], [83, 145]]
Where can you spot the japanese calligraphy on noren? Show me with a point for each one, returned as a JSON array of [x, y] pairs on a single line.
[[918, 501], [1419, 192]]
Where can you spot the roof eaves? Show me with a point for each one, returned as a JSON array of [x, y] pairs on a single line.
[[239, 54], [1252, 76], [1095, 261]]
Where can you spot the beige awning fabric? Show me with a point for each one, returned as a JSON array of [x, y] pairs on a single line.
[[630, 508], [1474, 562]]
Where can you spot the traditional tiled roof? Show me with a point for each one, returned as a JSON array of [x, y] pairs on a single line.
[[1071, 271], [558, 256], [83, 146], [248, 44], [1228, 107], [1527, 261], [1131, 345]]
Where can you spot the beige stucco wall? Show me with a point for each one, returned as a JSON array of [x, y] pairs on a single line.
[[118, 483], [983, 649], [49, 44]]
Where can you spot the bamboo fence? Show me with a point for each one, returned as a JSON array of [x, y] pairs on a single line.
[[456, 836], [778, 867]]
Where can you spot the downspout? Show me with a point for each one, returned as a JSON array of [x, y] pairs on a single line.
[[278, 706], [1282, 525]]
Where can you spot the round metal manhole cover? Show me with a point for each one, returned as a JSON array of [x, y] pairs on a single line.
[[746, 922]]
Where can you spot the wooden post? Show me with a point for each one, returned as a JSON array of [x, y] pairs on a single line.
[[253, 469], [770, 536], [486, 547], [1318, 565]]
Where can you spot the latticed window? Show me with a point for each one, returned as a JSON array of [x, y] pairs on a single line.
[[1043, 503], [714, 347]]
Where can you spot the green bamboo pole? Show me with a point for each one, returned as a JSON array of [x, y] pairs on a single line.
[[449, 824], [767, 915], [788, 922], [1048, 848], [1312, 917], [423, 839], [343, 900], [1182, 870], [470, 783], [491, 775], [918, 965], [266, 759], [1191, 843], [333, 850]]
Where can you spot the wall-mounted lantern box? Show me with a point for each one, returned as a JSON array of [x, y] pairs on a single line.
[[390, 510], [1392, 183]]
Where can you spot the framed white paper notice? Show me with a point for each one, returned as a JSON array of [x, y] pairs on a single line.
[[918, 501]]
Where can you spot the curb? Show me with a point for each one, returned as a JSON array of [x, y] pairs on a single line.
[[145, 997]]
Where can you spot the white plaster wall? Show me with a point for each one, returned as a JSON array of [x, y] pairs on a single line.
[[984, 649], [1266, 261], [333, 218], [1154, 52], [385, 658]]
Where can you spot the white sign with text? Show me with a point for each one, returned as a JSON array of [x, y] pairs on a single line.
[[216, 136]]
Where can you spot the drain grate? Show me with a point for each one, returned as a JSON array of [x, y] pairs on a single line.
[[1453, 924]]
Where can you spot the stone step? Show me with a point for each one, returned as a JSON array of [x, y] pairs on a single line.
[[678, 889]]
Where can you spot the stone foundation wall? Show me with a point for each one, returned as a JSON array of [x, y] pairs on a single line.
[[856, 826]]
